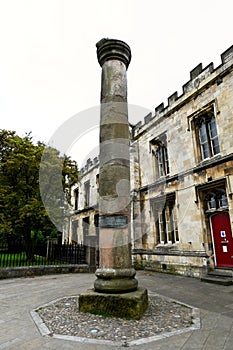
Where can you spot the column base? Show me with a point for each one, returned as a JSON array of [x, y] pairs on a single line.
[[115, 281], [125, 305]]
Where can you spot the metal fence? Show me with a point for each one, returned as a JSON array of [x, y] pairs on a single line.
[[13, 254]]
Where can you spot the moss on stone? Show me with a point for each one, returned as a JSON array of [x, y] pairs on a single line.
[[126, 305]]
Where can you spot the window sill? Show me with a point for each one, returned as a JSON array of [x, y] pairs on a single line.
[[166, 245], [211, 211], [209, 159], [217, 159]]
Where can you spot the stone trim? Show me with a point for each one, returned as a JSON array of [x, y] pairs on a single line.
[[165, 251], [31, 271]]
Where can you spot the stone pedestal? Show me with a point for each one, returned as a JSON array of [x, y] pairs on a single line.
[[125, 305]]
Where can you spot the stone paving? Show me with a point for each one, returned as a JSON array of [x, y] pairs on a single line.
[[18, 297], [163, 315]]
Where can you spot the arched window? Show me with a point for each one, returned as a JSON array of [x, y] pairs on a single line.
[[216, 199], [159, 152], [165, 216], [207, 134]]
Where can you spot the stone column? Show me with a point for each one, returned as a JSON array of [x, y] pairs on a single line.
[[115, 274], [116, 292]]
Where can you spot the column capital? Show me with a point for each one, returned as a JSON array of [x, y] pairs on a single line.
[[113, 49]]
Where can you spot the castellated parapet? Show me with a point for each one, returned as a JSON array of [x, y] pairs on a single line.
[[200, 78], [90, 165]]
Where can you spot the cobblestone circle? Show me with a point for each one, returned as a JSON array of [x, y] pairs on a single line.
[[163, 315]]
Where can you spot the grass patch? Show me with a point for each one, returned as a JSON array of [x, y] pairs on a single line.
[[20, 259]]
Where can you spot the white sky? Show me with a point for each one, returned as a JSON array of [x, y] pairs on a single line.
[[48, 65]]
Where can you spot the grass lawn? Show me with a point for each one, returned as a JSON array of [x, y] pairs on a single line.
[[20, 259]]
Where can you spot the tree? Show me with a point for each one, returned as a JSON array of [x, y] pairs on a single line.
[[30, 175]]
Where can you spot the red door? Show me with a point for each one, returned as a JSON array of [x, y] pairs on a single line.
[[223, 240]]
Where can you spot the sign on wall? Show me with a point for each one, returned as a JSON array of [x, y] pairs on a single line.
[[113, 221]]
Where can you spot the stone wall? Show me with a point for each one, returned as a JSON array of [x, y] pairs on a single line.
[[174, 126], [187, 171], [31, 271]]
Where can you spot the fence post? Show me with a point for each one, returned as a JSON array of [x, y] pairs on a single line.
[[91, 253]]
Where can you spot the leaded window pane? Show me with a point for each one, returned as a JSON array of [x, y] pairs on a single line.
[[213, 129], [212, 203], [161, 227], [215, 199], [166, 161], [160, 162], [167, 224], [208, 135], [203, 133], [213, 137], [163, 164], [204, 141], [223, 201], [215, 146]]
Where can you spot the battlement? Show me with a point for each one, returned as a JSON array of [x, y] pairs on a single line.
[[90, 164], [198, 77]]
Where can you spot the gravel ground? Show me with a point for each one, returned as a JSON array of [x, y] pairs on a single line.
[[163, 315]]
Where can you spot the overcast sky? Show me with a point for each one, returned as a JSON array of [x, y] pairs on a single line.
[[48, 65]]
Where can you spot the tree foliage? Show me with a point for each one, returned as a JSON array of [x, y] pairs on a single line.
[[35, 188]]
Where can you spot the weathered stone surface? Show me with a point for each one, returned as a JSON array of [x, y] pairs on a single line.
[[28, 271], [113, 49], [117, 285], [114, 177], [114, 281], [125, 305]]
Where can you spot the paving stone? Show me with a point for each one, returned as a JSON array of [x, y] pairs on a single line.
[[214, 342], [162, 316], [20, 296]]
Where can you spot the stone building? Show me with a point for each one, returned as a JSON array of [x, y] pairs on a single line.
[[181, 179]]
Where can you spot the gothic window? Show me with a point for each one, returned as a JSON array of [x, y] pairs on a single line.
[[215, 199], [86, 224], [97, 182], [160, 156], [87, 193], [206, 134], [76, 198], [162, 159], [165, 221], [74, 230]]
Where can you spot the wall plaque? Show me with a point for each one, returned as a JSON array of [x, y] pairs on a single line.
[[113, 221]]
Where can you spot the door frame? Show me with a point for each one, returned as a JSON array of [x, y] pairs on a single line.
[[212, 237], [212, 233]]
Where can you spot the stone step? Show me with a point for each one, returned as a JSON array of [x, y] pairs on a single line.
[[221, 272], [225, 281]]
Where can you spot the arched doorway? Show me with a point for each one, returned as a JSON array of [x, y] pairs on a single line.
[[222, 239]]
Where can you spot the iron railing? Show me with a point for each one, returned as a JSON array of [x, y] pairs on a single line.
[[13, 254]]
